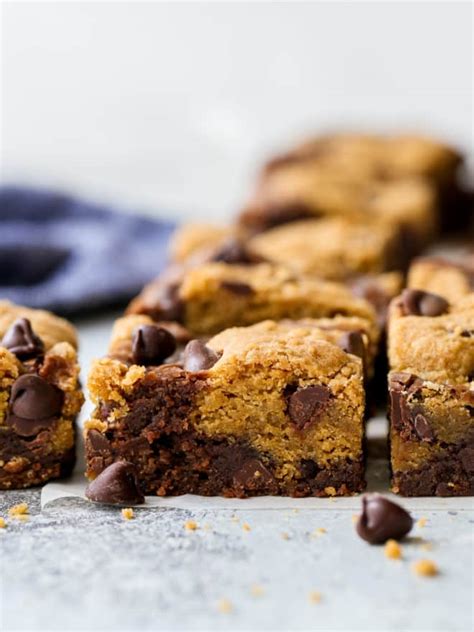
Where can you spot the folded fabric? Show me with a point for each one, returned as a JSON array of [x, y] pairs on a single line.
[[70, 256]]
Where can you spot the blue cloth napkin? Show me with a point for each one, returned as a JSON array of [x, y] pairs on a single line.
[[71, 256]]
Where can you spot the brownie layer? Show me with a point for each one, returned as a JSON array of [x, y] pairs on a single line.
[[172, 457]]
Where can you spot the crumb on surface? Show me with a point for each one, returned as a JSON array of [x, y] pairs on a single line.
[[426, 546], [225, 606], [257, 590], [191, 525], [425, 568], [354, 518], [18, 510], [127, 513], [207, 527], [285, 535], [246, 526], [3, 523], [421, 522], [319, 531], [314, 596], [393, 550]]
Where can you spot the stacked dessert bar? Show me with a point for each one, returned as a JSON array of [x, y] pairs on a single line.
[[244, 368]]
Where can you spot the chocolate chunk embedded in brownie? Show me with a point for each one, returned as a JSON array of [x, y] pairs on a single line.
[[266, 409], [431, 389], [39, 396]]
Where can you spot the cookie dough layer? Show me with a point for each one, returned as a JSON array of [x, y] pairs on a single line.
[[40, 397], [280, 412]]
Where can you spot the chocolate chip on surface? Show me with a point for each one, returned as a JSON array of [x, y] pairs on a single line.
[[152, 345], [34, 404], [197, 356], [352, 342], [306, 404], [116, 485], [241, 289], [420, 303], [423, 428], [22, 341], [381, 520]]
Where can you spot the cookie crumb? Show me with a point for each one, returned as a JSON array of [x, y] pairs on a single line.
[[319, 531], [421, 522], [314, 596], [257, 590], [190, 525], [426, 546], [393, 550], [3, 523], [425, 568], [207, 527], [246, 526], [19, 510], [285, 535], [127, 513], [224, 606], [354, 518]]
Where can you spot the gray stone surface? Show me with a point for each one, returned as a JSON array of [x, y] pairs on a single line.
[[79, 567]]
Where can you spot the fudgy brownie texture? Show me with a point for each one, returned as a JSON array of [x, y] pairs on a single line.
[[40, 396], [214, 296], [451, 278], [267, 409], [431, 388]]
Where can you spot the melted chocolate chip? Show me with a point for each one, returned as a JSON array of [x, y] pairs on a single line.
[[382, 520], [152, 345], [352, 342], [423, 428], [420, 303], [233, 251], [307, 404], [116, 485], [308, 468], [242, 289], [198, 357], [21, 340], [34, 404]]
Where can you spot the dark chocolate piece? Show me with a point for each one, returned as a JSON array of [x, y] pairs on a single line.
[[381, 520], [116, 485], [151, 345], [233, 251], [352, 342], [423, 428], [306, 404], [420, 303], [197, 356], [242, 289], [21, 340], [34, 404]]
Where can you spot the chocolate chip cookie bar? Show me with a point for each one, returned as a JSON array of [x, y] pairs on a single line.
[[451, 278], [266, 409], [214, 296], [40, 396], [431, 388]]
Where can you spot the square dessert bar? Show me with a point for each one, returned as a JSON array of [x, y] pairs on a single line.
[[303, 190], [267, 409], [451, 278], [214, 296], [40, 396], [431, 388]]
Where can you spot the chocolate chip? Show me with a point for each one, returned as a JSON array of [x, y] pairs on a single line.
[[423, 428], [34, 405], [252, 474], [307, 404], [170, 304], [152, 345], [242, 289], [98, 442], [116, 485], [381, 520], [198, 357], [308, 468], [420, 303], [352, 342], [467, 333], [233, 251], [21, 340]]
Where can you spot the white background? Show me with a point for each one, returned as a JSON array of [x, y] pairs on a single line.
[[169, 107]]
